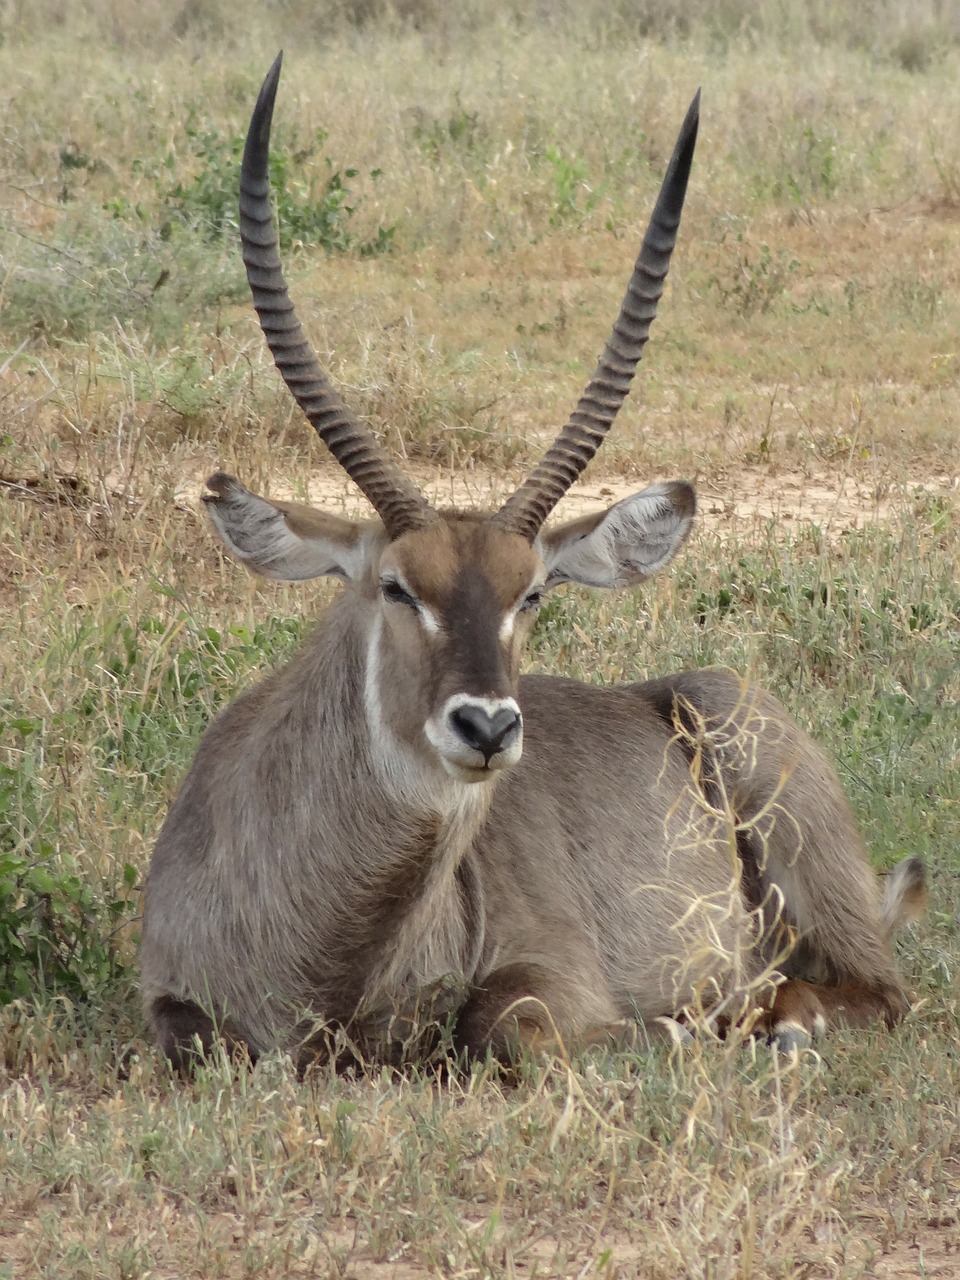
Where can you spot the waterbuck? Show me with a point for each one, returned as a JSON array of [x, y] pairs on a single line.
[[399, 830]]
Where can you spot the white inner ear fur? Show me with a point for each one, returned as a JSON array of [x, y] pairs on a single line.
[[284, 541], [628, 544]]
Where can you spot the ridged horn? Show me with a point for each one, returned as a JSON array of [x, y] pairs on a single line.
[[528, 508], [395, 498]]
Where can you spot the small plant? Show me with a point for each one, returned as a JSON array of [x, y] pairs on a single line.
[[573, 196], [915, 49], [51, 929], [186, 379], [57, 931], [461, 132], [105, 266], [760, 278], [916, 299], [313, 211], [808, 169], [816, 167]]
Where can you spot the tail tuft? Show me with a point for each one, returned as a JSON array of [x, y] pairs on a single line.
[[905, 898]]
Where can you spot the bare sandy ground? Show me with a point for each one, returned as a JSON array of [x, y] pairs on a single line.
[[736, 502]]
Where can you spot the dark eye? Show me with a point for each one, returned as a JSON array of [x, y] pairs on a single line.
[[395, 594], [532, 601]]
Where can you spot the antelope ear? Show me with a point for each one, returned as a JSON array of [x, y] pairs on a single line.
[[286, 540], [624, 545]]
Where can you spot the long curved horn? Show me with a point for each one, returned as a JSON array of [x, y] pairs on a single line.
[[396, 499], [528, 508]]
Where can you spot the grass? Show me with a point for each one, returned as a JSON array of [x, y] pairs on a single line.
[[807, 346]]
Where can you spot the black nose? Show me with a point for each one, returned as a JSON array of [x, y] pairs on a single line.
[[485, 733]]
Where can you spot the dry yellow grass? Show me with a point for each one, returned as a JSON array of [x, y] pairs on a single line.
[[812, 305]]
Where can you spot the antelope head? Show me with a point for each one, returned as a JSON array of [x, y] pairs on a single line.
[[450, 598]]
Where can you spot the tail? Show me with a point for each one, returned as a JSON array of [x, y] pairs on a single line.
[[905, 897]]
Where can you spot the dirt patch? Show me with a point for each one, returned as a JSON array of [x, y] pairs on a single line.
[[833, 501], [735, 502], [932, 1250]]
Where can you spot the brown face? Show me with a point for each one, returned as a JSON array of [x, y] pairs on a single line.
[[444, 610], [457, 602]]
